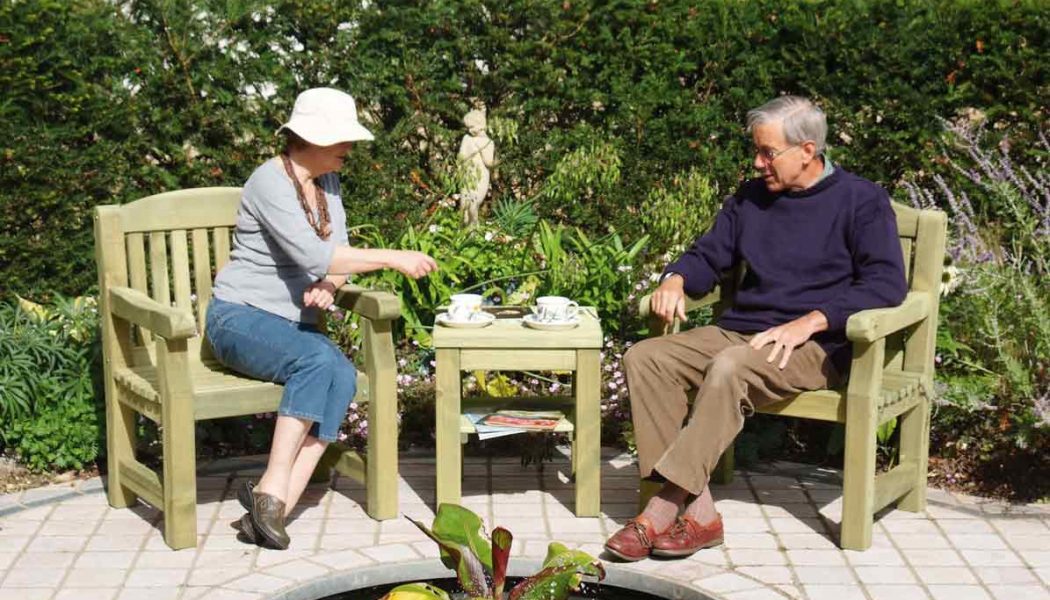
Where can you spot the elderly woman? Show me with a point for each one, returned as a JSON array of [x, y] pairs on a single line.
[[290, 253]]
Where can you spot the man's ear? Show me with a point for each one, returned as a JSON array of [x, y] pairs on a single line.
[[809, 150]]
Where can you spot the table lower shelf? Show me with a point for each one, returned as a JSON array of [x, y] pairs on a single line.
[[565, 404]]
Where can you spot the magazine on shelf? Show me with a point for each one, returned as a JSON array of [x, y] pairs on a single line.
[[501, 423], [531, 420]]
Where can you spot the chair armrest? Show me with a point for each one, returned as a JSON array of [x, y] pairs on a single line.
[[877, 323], [691, 304], [138, 308], [370, 304]]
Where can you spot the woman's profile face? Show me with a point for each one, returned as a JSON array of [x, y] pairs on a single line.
[[332, 157]]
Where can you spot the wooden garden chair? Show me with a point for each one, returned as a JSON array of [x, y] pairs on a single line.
[[891, 377], [156, 260]]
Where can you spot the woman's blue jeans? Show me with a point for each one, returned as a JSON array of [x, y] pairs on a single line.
[[319, 381]]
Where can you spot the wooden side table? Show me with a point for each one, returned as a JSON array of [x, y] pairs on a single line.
[[508, 345]]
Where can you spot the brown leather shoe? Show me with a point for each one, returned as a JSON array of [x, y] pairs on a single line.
[[244, 495], [267, 518], [687, 536], [634, 541]]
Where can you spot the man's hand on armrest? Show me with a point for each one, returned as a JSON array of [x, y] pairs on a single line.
[[790, 335], [668, 301]]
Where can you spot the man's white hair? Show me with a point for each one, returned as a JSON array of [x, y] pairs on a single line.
[[802, 120]]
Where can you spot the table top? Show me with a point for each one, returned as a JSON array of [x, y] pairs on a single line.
[[508, 332]]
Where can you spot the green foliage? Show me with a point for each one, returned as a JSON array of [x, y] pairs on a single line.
[[593, 105], [515, 218], [417, 591], [994, 335], [50, 416], [677, 214], [509, 269], [466, 549]]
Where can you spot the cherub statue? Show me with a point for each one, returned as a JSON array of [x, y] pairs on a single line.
[[479, 153]]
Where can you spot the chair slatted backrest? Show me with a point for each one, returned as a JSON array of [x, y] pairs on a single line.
[[174, 243], [922, 246]]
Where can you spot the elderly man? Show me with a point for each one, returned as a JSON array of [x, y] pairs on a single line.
[[820, 244]]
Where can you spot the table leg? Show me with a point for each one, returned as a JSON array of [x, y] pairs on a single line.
[[447, 413], [587, 446]]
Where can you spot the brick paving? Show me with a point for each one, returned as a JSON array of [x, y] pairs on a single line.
[[65, 542]]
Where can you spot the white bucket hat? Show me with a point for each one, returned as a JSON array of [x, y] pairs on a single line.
[[326, 116]]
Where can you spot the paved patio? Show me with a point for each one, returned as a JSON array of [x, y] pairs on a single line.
[[64, 542]]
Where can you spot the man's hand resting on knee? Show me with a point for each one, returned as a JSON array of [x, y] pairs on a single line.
[[785, 338]]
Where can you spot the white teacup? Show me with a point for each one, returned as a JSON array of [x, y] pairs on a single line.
[[555, 308], [464, 307]]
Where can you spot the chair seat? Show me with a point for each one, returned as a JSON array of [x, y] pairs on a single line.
[[900, 391], [217, 391]]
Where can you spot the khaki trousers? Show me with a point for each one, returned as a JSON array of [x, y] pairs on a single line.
[[728, 379]]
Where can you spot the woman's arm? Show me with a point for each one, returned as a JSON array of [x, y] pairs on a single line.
[[347, 260]]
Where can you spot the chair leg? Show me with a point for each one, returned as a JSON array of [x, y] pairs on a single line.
[[915, 449], [858, 490], [180, 483], [382, 468], [723, 472], [120, 445]]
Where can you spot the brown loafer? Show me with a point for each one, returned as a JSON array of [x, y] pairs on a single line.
[[687, 536], [634, 541], [267, 518], [244, 495], [245, 529]]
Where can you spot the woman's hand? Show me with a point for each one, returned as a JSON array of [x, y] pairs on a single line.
[[320, 294], [413, 264]]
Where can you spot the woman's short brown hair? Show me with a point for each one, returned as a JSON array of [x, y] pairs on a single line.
[[292, 141]]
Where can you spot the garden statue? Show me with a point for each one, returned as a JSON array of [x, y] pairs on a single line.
[[478, 153]]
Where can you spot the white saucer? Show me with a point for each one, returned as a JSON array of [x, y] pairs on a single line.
[[533, 322], [483, 319]]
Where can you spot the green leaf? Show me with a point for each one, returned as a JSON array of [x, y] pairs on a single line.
[[464, 546], [416, 591], [563, 571]]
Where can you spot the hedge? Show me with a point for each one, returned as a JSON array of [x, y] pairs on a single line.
[[108, 101]]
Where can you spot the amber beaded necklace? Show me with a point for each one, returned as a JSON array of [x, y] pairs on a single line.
[[324, 227]]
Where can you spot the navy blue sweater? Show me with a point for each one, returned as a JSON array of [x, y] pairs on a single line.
[[832, 247]]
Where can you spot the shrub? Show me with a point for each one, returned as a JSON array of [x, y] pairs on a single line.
[[994, 336], [53, 415], [592, 105]]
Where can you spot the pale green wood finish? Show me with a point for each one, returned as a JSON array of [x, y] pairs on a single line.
[[508, 344], [154, 255], [891, 376]]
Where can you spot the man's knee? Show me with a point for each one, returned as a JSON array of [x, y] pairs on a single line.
[[730, 363], [644, 353]]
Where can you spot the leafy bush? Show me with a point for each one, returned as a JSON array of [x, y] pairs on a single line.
[[592, 104], [51, 418], [675, 215], [994, 337]]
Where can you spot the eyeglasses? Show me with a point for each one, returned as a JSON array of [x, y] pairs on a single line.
[[768, 156]]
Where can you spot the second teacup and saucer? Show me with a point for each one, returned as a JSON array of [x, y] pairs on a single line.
[[553, 313]]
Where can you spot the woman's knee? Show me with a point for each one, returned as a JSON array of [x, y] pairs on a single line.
[[344, 373]]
